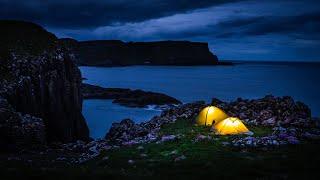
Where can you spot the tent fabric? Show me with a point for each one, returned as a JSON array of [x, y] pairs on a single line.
[[230, 126], [210, 115]]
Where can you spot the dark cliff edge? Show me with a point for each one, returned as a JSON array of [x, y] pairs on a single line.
[[119, 53], [38, 81]]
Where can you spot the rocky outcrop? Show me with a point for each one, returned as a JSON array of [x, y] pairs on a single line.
[[127, 97], [38, 77], [268, 111], [118, 53], [127, 132], [290, 121], [17, 130]]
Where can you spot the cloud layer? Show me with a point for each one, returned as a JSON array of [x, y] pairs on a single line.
[[245, 30]]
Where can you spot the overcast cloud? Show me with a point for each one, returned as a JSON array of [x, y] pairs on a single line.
[[237, 30]]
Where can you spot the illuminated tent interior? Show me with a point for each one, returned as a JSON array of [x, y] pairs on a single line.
[[210, 115], [230, 126]]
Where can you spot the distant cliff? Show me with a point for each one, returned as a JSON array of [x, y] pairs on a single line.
[[38, 79], [118, 53]]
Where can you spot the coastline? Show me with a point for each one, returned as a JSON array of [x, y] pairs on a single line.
[[170, 137], [43, 131]]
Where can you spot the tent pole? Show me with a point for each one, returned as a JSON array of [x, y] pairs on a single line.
[[205, 123]]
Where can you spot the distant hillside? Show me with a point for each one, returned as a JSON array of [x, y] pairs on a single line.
[[119, 53]]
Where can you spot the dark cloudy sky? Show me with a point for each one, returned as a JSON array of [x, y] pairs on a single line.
[[235, 29]]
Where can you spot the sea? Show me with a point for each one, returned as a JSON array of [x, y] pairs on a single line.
[[193, 83]]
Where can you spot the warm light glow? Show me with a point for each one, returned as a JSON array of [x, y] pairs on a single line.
[[211, 115], [230, 126]]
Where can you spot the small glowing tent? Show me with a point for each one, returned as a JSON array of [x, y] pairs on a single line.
[[210, 115], [230, 126]]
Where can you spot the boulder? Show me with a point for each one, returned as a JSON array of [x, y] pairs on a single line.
[[125, 131]]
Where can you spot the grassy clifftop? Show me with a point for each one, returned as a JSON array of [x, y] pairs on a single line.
[[191, 156]]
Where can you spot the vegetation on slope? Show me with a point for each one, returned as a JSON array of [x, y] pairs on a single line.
[[191, 158]]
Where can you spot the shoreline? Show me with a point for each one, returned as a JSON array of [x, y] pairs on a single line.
[[128, 97], [223, 63], [273, 132]]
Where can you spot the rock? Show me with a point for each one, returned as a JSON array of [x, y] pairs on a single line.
[[180, 158], [34, 129], [128, 133], [130, 161], [168, 138], [143, 155], [174, 152], [38, 77], [125, 131], [269, 111], [290, 121], [216, 102], [127, 97], [311, 136], [269, 122], [17, 130], [316, 121], [225, 143], [293, 140], [105, 158], [201, 137], [140, 147]]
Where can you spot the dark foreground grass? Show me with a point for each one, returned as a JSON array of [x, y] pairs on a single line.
[[204, 159]]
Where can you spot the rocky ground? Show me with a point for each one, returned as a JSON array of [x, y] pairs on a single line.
[[127, 97], [290, 122], [280, 125]]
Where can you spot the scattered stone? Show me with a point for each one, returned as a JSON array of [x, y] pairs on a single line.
[[128, 133], [105, 158], [143, 155], [180, 158], [140, 147], [61, 159], [225, 143], [130, 161], [270, 111], [174, 152], [201, 137], [168, 138]]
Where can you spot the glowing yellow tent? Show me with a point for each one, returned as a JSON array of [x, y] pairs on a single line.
[[230, 126], [210, 115]]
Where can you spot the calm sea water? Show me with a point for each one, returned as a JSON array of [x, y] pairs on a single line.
[[247, 80]]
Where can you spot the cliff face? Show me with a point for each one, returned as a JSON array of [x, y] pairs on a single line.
[[118, 53], [38, 77]]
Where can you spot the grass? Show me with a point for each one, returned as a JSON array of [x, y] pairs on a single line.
[[204, 159]]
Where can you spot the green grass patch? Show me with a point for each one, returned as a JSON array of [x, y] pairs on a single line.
[[208, 158]]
